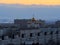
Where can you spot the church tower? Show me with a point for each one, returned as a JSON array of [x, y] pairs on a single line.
[[33, 23]]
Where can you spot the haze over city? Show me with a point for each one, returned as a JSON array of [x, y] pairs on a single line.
[[24, 9]]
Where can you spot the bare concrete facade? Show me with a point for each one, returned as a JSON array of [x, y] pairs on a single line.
[[41, 36]]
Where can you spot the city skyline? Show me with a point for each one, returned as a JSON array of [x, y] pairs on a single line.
[[24, 9]]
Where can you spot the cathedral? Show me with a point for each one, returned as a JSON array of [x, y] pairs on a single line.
[[28, 32]]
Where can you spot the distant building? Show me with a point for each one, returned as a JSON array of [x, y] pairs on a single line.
[[29, 22], [29, 32], [57, 23]]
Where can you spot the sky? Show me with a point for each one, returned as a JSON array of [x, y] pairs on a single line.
[[22, 9], [29, 2]]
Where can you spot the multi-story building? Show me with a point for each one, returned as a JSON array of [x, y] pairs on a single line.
[[30, 22], [28, 32], [31, 36]]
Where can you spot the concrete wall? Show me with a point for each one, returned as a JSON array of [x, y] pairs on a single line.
[[35, 38]]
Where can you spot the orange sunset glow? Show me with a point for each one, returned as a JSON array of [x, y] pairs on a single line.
[[29, 2]]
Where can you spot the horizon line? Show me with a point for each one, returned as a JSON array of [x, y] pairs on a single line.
[[31, 4]]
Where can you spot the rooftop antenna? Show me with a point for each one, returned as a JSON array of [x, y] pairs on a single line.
[[33, 16]]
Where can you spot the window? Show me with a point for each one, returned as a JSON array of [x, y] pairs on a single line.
[[22, 35], [51, 32], [57, 32], [13, 36], [2, 37], [30, 34], [45, 33], [38, 34]]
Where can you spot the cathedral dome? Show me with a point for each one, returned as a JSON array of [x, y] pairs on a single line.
[[33, 19]]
